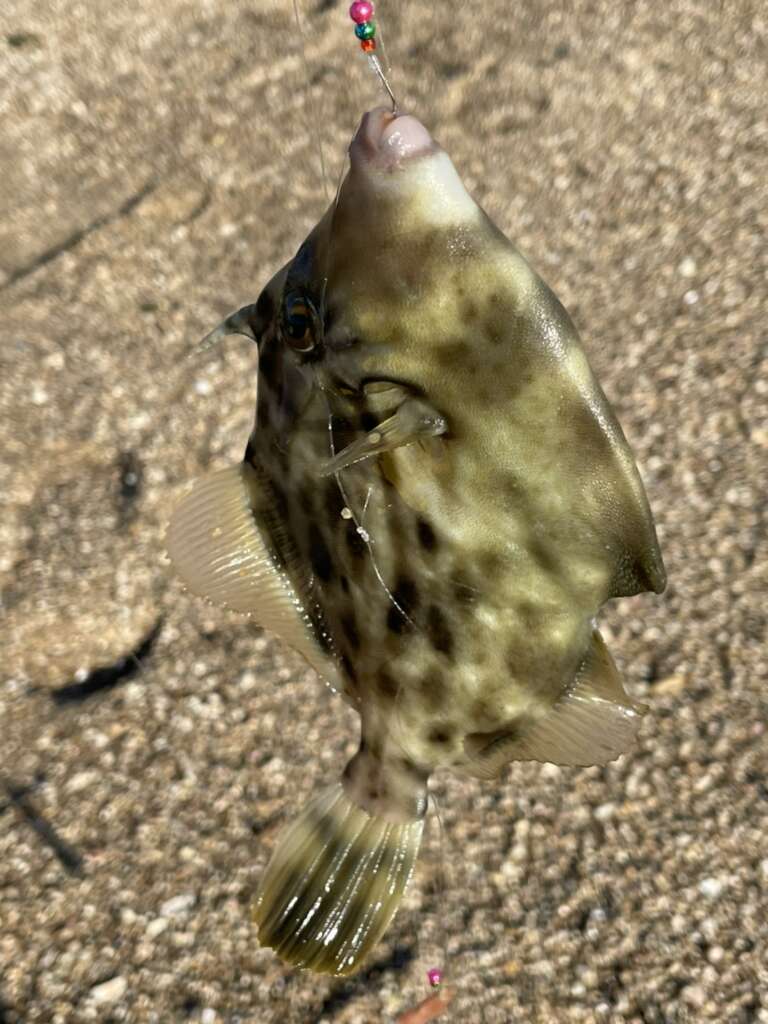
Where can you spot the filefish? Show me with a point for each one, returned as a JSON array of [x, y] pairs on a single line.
[[435, 501]]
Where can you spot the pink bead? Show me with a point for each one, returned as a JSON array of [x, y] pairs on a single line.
[[434, 976], [360, 11]]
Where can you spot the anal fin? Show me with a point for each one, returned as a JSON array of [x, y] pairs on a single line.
[[219, 551], [594, 722]]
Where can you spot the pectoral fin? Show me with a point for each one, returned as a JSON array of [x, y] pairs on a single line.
[[594, 722], [414, 420], [219, 551]]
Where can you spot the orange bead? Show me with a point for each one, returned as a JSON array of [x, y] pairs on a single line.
[[368, 45]]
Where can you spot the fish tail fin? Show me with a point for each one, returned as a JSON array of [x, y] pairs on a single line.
[[334, 883]]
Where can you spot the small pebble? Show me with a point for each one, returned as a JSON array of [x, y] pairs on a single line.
[[157, 927], [111, 991], [710, 887], [178, 904]]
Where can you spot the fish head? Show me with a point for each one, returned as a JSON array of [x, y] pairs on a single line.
[[375, 289]]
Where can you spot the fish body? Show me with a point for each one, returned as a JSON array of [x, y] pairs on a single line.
[[434, 503]]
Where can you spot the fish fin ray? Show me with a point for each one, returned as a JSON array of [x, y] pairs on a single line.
[[593, 723], [334, 883], [242, 321], [218, 550], [414, 420]]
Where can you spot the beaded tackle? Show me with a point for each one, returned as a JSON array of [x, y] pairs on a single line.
[[361, 12]]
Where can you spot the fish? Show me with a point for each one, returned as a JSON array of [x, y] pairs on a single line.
[[434, 503]]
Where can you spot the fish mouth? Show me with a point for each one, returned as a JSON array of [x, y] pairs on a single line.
[[387, 140]]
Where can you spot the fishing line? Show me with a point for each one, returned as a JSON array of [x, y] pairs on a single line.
[[314, 129], [433, 979]]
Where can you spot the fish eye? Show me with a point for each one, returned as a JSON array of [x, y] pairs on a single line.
[[298, 322]]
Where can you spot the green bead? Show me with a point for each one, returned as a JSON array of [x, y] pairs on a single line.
[[365, 31]]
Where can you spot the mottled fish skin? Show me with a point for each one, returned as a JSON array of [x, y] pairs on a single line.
[[453, 578], [495, 544]]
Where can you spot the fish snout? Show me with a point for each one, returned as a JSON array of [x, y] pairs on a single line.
[[386, 140]]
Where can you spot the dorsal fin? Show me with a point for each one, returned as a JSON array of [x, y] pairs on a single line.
[[594, 722]]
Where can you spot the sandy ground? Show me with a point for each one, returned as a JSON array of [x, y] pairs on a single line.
[[158, 162]]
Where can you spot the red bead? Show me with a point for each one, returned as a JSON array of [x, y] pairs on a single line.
[[360, 11], [368, 45]]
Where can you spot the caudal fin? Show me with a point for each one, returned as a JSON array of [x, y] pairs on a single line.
[[334, 883]]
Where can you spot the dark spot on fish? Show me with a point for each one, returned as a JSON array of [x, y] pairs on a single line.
[[526, 611], [481, 710], [440, 734], [495, 327], [319, 555], [453, 353], [426, 535], [510, 484], [386, 685], [544, 555], [406, 599], [439, 631], [355, 543], [406, 594], [469, 311], [368, 420], [397, 622], [340, 425], [489, 562], [334, 501], [344, 584], [349, 626], [432, 689]]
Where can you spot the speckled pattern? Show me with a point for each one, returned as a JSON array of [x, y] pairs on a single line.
[[159, 162]]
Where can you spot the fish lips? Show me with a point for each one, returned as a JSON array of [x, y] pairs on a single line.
[[386, 141]]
